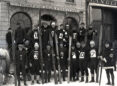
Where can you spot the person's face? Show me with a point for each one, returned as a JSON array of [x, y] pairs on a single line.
[[53, 24], [83, 45], [67, 27], [73, 47], [61, 27], [48, 47], [82, 25], [107, 45], [61, 45], [92, 45], [20, 48], [78, 45], [45, 25]]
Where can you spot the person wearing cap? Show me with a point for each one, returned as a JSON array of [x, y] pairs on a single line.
[[93, 64], [35, 64], [83, 62], [63, 59], [108, 59], [21, 63], [82, 32], [47, 63], [19, 34]]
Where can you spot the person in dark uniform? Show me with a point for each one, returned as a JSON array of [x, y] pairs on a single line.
[[67, 33], [19, 35], [9, 42], [82, 32], [63, 59], [91, 33], [78, 47], [60, 33], [108, 59], [45, 35], [34, 36], [21, 64], [48, 63], [74, 37], [35, 63], [73, 63], [93, 54], [83, 62]]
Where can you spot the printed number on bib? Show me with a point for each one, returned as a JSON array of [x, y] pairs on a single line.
[[82, 55], [35, 35], [60, 35], [93, 54], [74, 56], [35, 57]]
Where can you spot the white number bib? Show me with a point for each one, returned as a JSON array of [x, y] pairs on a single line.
[[35, 57], [60, 35], [82, 55], [73, 55], [93, 53], [35, 35]]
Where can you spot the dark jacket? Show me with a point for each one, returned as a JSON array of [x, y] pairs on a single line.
[[19, 35]]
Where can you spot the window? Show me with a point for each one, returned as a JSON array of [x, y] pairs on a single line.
[[72, 1]]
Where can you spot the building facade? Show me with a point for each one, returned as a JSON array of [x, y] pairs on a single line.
[[30, 12], [103, 14]]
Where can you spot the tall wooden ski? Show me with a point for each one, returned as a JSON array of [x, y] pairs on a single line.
[[99, 52], [100, 48], [41, 54], [53, 59], [13, 54], [58, 58], [69, 58]]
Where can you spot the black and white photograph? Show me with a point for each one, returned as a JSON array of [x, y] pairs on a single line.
[[58, 42]]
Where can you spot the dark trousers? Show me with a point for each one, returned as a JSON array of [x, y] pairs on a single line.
[[108, 73], [63, 68], [83, 67], [73, 69], [93, 66], [47, 69], [21, 69]]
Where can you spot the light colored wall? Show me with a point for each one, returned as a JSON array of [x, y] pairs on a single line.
[[6, 12]]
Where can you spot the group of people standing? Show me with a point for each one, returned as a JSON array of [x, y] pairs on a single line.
[[37, 48]]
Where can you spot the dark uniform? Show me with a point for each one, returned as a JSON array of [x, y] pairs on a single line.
[[34, 37], [45, 36], [91, 34], [82, 34], [35, 62], [20, 65], [61, 35], [83, 63], [73, 63], [48, 64], [19, 35], [63, 60], [109, 64], [9, 42], [93, 54], [74, 37]]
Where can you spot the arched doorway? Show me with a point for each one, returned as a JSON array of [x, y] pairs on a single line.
[[47, 18], [20, 17], [72, 21]]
